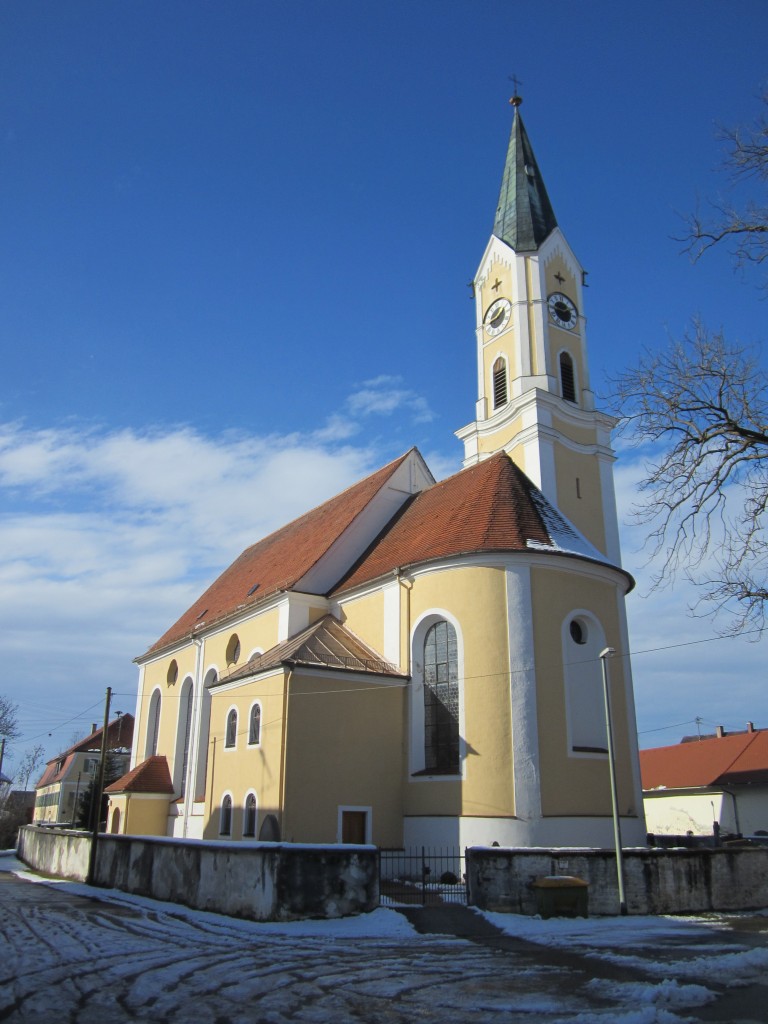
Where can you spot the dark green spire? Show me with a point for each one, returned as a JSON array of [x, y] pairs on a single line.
[[524, 217]]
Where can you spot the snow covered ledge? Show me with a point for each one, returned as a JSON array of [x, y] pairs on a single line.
[[260, 881]]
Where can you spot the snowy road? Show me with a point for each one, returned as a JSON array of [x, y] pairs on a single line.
[[122, 958]]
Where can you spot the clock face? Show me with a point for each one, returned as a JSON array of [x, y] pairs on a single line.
[[562, 311], [497, 316]]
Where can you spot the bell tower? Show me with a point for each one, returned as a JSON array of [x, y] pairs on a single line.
[[534, 396]]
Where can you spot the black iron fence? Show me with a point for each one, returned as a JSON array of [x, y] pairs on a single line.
[[423, 876]]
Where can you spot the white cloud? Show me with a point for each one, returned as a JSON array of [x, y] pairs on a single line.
[[385, 395]]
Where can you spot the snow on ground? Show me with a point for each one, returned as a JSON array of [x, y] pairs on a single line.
[[169, 959]]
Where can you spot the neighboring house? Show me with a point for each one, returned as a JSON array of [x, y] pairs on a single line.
[[416, 662], [723, 778], [67, 776]]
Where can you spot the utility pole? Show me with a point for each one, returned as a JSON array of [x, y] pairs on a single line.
[[96, 804]]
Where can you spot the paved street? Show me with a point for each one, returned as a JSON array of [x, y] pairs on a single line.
[[85, 960]]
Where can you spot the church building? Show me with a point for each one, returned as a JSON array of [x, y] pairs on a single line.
[[418, 662]]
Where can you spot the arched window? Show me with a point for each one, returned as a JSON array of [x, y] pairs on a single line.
[[583, 640], [203, 744], [115, 822], [499, 383], [249, 816], [567, 379], [230, 738], [153, 724], [185, 733], [254, 726], [441, 700], [173, 673], [225, 819]]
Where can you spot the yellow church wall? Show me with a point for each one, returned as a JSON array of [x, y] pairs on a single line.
[[259, 632], [344, 749], [488, 294], [238, 770], [476, 598], [364, 616], [501, 438], [156, 677], [557, 267], [580, 493], [140, 814], [574, 784]]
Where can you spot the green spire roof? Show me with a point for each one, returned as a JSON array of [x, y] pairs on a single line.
[[524, 217]]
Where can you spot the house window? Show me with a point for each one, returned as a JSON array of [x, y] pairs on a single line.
[[499, 383], [173, 673], [254, 728], [225, 819], [567, 380], [249, 817], [230, 738], [441, 700]]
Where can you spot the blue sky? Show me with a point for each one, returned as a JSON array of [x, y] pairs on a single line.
[[236, 240]]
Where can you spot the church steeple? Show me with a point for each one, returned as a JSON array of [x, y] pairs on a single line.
[[524, 216], [534, 398]]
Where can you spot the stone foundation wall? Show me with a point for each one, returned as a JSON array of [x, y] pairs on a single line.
[[655, 881], [261, 881]]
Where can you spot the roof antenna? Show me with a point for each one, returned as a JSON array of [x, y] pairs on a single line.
[[516, 98]]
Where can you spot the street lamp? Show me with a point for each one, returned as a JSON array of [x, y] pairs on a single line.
[[604, 655]]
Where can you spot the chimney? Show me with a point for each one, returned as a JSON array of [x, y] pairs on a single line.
[[750, 726], [720, 732]]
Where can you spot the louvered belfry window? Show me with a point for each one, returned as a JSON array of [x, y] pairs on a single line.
[[441, 700], [566, 377], [499, 383]]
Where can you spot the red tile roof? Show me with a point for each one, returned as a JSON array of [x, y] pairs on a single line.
[[725, 760], [281, 559], [151, 776], [119, 735], [491, 506]]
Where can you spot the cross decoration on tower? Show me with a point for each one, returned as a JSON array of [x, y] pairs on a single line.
[[516, 98]]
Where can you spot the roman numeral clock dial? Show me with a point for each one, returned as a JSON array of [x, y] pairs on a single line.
[[497, 317], [562, 311]]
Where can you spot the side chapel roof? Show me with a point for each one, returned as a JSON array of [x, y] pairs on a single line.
[[722, 760], [151, 776], [325, 644]]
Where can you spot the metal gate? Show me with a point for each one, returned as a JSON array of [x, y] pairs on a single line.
[[422, 876]]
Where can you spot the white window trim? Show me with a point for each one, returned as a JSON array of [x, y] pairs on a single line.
[[224, 795], [230, 709], [257, 743], [416, 754], [253, 793], [593, 624]]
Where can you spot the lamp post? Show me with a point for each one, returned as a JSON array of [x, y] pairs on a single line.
[[604, 655]]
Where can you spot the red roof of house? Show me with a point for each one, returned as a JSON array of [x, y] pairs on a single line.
[[281, 559], [151, 776], [737, 758], [119, 736], [491, 506]]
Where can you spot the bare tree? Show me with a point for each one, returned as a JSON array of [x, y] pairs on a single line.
[[741, 226], [9, 729], [701, 408], [30, 764]]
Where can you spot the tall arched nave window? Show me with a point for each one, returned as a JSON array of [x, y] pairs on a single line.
[[441, 699]]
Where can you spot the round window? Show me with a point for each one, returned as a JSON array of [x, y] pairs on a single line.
[[578, 632]]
